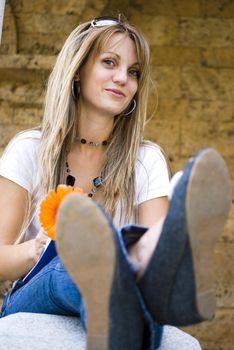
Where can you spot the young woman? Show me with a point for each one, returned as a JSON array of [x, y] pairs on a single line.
[[92, 137]]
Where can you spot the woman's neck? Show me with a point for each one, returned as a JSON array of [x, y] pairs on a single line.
[[94, 127], [91, 133]]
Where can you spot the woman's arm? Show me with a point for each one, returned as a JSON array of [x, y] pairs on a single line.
[[152, 211], [15, 260], [151, 214]]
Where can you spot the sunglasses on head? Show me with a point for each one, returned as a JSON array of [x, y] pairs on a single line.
[[105, 21]]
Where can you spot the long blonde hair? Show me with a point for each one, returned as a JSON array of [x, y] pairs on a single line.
[[59, 126]]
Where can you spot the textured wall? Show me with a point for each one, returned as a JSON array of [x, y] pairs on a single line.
[[193, 67]]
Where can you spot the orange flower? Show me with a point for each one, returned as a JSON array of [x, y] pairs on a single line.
[[50, 205]]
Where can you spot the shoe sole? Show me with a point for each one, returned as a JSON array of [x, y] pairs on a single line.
[[86, 246], [206, 216]]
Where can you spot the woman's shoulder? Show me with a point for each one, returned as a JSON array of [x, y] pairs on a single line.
[[26, 140], [27, 136], [23, 146], [152, 152], [19, 160]]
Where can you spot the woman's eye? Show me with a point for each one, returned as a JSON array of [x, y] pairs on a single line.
[[135, 73], [109, 61]]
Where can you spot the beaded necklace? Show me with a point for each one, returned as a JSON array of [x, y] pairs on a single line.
[[70, 181], [97, 181]]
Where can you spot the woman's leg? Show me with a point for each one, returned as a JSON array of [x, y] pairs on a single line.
[[177, 284], [51, 291], [87, 238]]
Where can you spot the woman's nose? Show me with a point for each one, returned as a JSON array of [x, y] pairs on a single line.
[[120, 76]]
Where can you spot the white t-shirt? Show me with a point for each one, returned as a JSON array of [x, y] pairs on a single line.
[[19, 164]]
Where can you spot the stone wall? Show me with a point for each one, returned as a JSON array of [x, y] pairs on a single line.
[[192, 46]]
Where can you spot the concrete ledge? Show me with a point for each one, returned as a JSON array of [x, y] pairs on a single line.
[[27, 331]]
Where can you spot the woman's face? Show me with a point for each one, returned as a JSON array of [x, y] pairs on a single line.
[[109, 81]]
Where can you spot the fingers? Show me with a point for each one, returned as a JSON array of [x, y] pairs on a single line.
[[42, 233]]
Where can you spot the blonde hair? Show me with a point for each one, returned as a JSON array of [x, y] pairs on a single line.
[[59, 126]]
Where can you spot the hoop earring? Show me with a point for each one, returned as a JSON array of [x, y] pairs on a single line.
[[75, 88], [132, 109]]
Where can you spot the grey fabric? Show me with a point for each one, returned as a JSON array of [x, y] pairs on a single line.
[[27, 331]]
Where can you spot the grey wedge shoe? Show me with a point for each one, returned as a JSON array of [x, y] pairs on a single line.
[[79, 243], [95, 256], [178, 283]]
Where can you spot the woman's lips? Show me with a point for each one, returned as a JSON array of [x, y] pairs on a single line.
[[116, 92]]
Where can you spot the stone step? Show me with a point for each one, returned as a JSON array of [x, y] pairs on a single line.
[[29, 331]]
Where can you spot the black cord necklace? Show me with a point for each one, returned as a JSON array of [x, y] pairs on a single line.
[[92, 143], [70, 181]]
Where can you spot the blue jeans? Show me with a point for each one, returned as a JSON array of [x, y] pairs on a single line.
[[52, 291]]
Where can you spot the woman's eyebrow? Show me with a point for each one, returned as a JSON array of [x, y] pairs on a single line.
[[112, 53]]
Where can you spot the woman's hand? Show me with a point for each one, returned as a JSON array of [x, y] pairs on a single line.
[[35, 246]]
